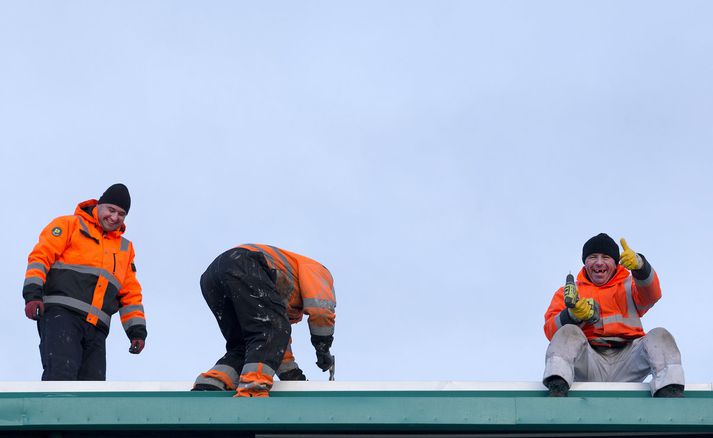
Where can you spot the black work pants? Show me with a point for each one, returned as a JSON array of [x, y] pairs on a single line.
[[70, 347], [240, 290]]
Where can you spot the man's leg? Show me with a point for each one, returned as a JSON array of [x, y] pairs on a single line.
[[656, 354], [224, 375], [93, 365], [568, 344], [265, 326], [60, 344]]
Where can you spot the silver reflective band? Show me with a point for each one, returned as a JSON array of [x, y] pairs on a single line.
[[286, 366], [124, 244], [253, 367], [320, 304], [34, 280], [631, 322], [79, 305], [84, 226], [558, 321], [38, 266], [128, 309], [229, 371], [321, 331], [133, 322], [82, 269]]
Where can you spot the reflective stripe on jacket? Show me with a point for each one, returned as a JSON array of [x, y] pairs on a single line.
[[306, 285], [622, 301], [77, 265]]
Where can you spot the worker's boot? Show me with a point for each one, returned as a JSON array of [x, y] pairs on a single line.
[[217, 378], [205, 387], [557, 386], [255, 381], [251, 392], [672, 390]]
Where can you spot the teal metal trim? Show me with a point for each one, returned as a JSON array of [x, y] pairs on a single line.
[[356, 412]]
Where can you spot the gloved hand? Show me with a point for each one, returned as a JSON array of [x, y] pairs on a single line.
[[324, 360], [586, 310], [293, 374], [136, 346], [629, 259], [34, 309]]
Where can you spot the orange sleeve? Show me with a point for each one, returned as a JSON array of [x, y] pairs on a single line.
[[131, 311], [53, 241], [556, 307], [318, 297]]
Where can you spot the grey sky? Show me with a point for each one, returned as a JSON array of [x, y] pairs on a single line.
[[446, 161]]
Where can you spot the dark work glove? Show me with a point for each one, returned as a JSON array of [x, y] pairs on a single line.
[[324, 360], [293, 374], [136, 346], [34, 309]]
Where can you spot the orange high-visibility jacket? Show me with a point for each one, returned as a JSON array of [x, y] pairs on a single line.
[[622, 300], [78, 266], [306, 285]]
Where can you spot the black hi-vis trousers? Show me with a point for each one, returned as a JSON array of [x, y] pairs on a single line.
[[240, 290], [70, 347]]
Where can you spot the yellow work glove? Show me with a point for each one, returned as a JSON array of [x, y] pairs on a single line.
[[586, 310], [629, 259]]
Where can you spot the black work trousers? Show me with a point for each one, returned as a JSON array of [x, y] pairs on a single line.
[[70, 347], [240, 290]]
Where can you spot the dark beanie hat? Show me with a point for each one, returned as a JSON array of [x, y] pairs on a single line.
[[118, 195], [602, 244]]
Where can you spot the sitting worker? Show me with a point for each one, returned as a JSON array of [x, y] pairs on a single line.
[[600, 337], [255, 292]]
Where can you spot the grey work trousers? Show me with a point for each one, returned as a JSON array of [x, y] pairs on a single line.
[[570, 356]]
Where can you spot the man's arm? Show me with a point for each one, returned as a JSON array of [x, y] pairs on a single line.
[[319, 302], [586, 310], [52, 242], [132, 310], [646, 289]]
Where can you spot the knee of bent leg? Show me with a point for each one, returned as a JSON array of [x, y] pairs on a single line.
[[570, 332], [660, 334]]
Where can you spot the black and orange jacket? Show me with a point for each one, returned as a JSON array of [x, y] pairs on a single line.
[[622, 300], [307, 287], [78, 266]]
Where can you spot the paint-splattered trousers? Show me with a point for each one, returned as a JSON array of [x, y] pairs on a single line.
[[70, 347], [570, 356], [239, 288]]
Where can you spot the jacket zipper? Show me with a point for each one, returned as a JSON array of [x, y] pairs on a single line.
[[113, 270]]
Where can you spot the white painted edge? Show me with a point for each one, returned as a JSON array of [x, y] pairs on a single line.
[[326, 386]]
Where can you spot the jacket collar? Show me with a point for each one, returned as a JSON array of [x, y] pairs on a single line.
[[87, 210]]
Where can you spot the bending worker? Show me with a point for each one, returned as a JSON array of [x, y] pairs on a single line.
[[255, 292], [600, 337], [80, 273]]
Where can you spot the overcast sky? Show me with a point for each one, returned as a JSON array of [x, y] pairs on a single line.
[[446, 160]]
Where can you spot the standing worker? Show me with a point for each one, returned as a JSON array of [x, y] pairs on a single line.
[[79, 274], [599, 337], [255, 292]]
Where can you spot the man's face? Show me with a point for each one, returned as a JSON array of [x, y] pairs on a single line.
[[111, 217], [600, 268]]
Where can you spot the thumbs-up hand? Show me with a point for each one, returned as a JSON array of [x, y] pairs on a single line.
[[629, 259]]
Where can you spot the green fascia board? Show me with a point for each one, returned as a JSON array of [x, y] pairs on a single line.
[[377, 411]]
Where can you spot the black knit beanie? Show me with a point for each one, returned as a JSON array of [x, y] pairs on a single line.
[[118, 195], [602, 244]]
